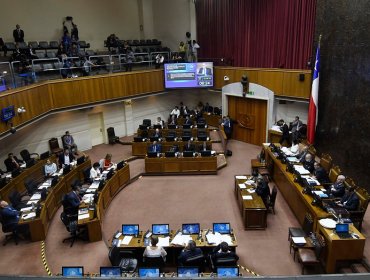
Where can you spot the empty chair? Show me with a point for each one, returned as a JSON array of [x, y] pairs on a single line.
[[112, 138], [306, 229], [123, 258], [34, 45], [10, 46], [272, 200], [40, 55], [90, 52], [54, 45], [312, 256], [202, 135], [15, 198], [326, 161], [43, 45], [154, 262], [147, 122], [22, 46], [51, 54], [83, 45], [26, 155], [195, 261], [54, 146]]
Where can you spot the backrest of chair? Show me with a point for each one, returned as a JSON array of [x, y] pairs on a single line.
[[334, 172], [86, 173], [225, 261], [54, 144], [273, 196], [14, 198], [147, 122], [154, 261], [319, 245], [364, 198], [307, 223], [25, 155], [198, 260], [349, 182], [114, 256], [326, 161]]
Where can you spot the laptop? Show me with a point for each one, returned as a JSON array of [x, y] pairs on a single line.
[[190, 228], [170, 154], [342, 230], [227, 271], [120, 165], [223, 228], [110, 271], [130, 229], [73, 271], [149, 272], [191, 272], [161, 229]]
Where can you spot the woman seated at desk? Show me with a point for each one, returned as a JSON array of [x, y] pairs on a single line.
[[50, 168], [106, 162], [154, 251]]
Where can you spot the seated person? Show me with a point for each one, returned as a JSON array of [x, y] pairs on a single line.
[[173, 120], [153, 250], [50, 168], [66, 158], [188, 121], [157, 133], [106, 162], [350, 200], [203, 147], [69, 142], [160, 122], [10, 218], [320, 173], [95, 171], [184, 111], [12, 163], [309, 162], [189, 146], [189, 251], [222, 251], [175, 112], [155, 147], [302, 154], [263, 190], [338, 189]]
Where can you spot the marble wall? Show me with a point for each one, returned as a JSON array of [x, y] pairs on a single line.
[[344, 93]]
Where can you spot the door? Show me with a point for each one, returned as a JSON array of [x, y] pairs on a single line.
[[96, 128], [250, 119]]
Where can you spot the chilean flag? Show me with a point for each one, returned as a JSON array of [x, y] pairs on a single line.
[[313, 108]]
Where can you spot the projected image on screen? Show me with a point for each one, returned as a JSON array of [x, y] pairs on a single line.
[[185, 75], [227, 271]]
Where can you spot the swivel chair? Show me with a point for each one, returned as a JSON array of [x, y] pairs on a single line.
[[54, 146], [196, 261], [222, 262], [154, 262], [123, 258]]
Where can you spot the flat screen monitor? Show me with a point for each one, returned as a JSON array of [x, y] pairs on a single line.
[[191, 272], [201, 125], [110, 174], [170, 154], [227, 271], [187, 153], [73, 271], [138, 139], [130, 229], [206, 153], [45, 155], [149, 272], [81, 160], [170, 138], [152, 154], [223, 228], [186, 126], [66, 169], [188, 75], [161, 229], [202, 138], [191, 228], [171, 126], [121, 164], [30, 162], [110, 271], [154, 138]]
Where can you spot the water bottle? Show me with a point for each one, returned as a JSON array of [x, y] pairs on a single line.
[[340, 220]]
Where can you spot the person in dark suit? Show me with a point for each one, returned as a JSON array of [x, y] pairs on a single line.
[[228, 126], [188, 120], [189, 251], [338, 189], [66, 158], [18, 34], [157, 133], [72, 199], [309, 162], [350, 200], [295, 126], [223, 251], [189, 147], [203, 147], [320, 173], [263, 190], [10, 217], [12, 163], [285, 134], [69, 142], [155, 147]]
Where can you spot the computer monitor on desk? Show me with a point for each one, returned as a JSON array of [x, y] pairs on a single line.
[[223, 228], [73, 271], [149, 272], [161, 229], [121, 164], [191, 228], [81, 160], [110, 271], [16, 172], [66, 169], [138, 139], [130, 229], [227, 271], [185, 272], [186, 126], [170, 154], [30, 162]]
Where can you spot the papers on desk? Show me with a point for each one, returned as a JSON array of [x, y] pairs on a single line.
[[292, 159], [164, 241], [301, 170], [217, 238], [36, 196], [84, 216], [250, 182], [251, 190], [74, 163], [242, 186], [82, 211], [9, 176], [30, 202], [321, 194], [311, 181], [26, 209], [299, 240], [87, 197], [276, 128], [126, 240], [44, 185], [28, 216], [180, 239], [95, 185], [23, 165], [247, 197], [242, 177]]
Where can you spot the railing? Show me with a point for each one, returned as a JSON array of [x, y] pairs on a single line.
[[18, 74]]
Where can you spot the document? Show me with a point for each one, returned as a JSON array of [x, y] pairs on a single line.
[[217, 238], [292, 159], [87, 197], [301, 170], [36, 196], [242, 186], [180, 239], [126, 239], [320, 194], [242, 177], [30, 202], [82, 211], [28, 216], [26, 209], [95, 185], [251, 190], [90, 190], [299, 240], [23, 165], [250, 182], [84, 216], [164, 241], [247, 197]]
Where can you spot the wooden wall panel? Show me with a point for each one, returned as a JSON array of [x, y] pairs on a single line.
[[250, 119], [292, 86], [272, 80]]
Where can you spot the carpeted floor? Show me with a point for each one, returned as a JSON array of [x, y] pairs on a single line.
[[174, 200]]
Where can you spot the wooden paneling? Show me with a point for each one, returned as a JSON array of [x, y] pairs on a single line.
[[250, 119]]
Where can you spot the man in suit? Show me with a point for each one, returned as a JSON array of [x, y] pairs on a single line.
[[189, 147], [228, 126], [203, 146], [72, 200], [12, 163], [160, 122], [155, 147], [69, 142], [189, 251], [295, 127], [285, 134], [10, 218], [263, 190], [309, 162], [338, 189], [18, 34], [188, 120], [320, 173], [223, 251], [350, 200], [301, 156], [66, 158], [157, 133]]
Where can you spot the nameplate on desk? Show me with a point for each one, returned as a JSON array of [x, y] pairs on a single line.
[[241, 177], [84, 216]]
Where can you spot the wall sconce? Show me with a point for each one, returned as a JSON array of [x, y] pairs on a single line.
[[21, 110]]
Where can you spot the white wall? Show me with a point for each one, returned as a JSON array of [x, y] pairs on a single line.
[[35, 137], [288, 111]]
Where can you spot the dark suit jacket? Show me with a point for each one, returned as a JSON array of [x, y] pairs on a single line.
[[263, 191], [321, 175], [350, 201], [309, 165], [61, 158], [10, 165], [339, 190], [285, 130], [189, 147], [158, 148], [186, 254], [18, 37], [72, 200], [9, 215]]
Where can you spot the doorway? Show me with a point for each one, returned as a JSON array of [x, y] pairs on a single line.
[[96, 128]]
